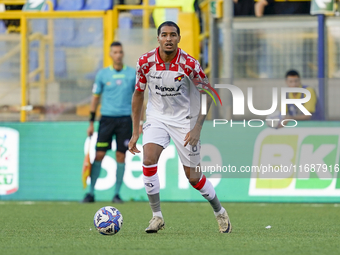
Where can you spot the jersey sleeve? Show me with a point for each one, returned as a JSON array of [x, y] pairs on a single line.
[[199, 77], [98, 84], [310, 105], [140, 77]]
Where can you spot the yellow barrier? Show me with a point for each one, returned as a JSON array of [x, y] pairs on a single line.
[[110, 24], [23, 16], [13, 2]]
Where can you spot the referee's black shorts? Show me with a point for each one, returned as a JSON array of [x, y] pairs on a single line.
[[120, 127]]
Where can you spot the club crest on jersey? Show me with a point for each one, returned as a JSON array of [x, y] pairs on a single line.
[[108, 83], [179, 78]]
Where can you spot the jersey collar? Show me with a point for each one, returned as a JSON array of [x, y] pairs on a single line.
[[111, 68], [173, 61]]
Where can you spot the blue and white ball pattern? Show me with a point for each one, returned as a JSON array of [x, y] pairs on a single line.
[[108, 220]]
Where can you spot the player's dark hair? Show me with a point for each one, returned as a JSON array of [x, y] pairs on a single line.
[[292, 73], [116, 43], [169, 24]]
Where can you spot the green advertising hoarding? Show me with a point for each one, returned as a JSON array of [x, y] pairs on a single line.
[[34, 5], [322, 7], [43, 161]]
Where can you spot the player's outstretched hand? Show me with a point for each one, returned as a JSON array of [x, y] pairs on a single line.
[[132, 145], [90, 129], [193, 136]]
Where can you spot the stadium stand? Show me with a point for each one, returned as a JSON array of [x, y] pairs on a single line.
[[125, 20], [4, 67], [70, 5], [33, 60], [60, 67], [87, 32], [60, 70], [54, 2], [38, 26], [64, 30], [139, 12], [2, 27], [98, 5]]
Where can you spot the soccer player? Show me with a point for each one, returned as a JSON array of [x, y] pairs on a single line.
[[313, 106], [173, 112], [115, 85]]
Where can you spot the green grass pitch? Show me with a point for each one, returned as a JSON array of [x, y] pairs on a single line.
[[67, 228]]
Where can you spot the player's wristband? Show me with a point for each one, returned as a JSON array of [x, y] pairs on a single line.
[[141, 122], [92, 116]]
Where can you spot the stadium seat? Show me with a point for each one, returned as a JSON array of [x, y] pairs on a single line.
[[33, 60], [139, 12], [64, 30], [70, 5], [125, 21], [39, 26], [98, 5], [5, 66], [60, 70], [2, 27], [92, 76], [87, 32], [54, 2]]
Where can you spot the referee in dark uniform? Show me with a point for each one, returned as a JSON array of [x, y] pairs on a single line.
[[115, 86]]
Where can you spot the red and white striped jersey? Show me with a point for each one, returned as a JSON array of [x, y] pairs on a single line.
[[174, 96]]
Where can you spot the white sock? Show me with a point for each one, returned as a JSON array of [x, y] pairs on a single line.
[[159, 214], [151, 184], [208, 191], [220, 212]]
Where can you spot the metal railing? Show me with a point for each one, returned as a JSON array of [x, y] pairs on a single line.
[[110, 20]]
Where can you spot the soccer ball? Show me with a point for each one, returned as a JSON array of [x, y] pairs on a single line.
[[273, 120], [108, 220]]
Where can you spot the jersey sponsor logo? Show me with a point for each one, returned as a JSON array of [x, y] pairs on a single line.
[[108, 83], [117, 76], [161, 88], [155, 77], [168, 89], [179, 78]]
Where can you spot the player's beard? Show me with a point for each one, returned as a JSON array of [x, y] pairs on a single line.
[[169, 52]]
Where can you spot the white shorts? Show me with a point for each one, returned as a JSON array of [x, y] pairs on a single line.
[[159, 133]]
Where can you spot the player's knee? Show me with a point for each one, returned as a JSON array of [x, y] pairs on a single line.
[[194, 181], [120, 157], [100, 155], [149, 162]]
